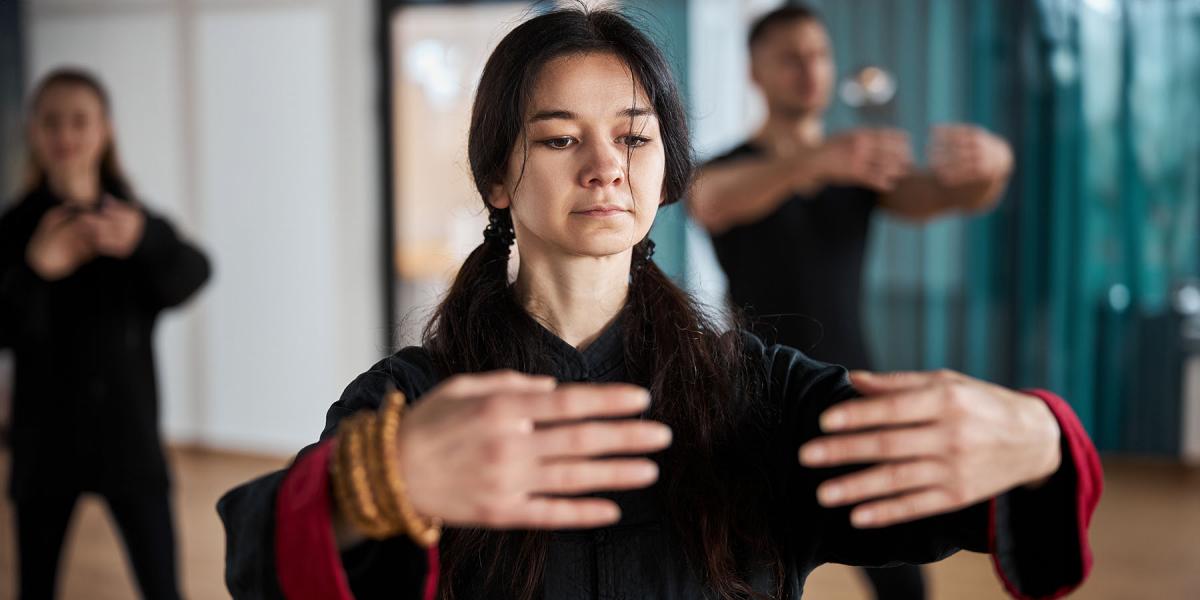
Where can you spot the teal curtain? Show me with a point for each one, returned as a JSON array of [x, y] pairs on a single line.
[[666, 21], [1068, 284]]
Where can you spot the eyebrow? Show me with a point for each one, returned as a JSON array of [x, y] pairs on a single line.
[[552, 114]]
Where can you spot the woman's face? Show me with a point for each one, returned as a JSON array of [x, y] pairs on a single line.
[[69, 130], [587, 178]]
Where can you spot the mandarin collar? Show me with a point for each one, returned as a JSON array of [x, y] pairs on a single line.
[[599, 361]]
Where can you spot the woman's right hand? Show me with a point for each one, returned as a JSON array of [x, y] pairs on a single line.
[[504, 450], [61, 244]]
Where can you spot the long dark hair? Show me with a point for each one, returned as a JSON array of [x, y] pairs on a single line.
[[112, 177], [696, 373]]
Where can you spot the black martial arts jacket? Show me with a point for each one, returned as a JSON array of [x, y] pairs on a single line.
[[280, 541], [85, 400]]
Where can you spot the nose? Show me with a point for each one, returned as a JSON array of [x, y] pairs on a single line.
[[604, 166]]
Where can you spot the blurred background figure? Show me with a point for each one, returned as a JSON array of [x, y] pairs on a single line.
[[84, 272], [789, 210], [316, 147]]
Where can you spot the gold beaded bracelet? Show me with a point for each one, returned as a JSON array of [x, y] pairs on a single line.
[[425, 532], [364, 511], [366, 478]]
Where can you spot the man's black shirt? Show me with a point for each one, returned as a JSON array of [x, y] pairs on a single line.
[[796, 274]]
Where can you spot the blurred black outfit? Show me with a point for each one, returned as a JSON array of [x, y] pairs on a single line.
[[85, 400]]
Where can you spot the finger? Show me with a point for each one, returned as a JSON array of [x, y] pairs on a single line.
[[112, 205], [951, 130], [891, 171], [57, 216], [602, 438], [909, 507], [890, 132], [896, 144], [95, 222], [871, 382], [951, 175], [496, 382], [581, 477], [878, 183], [881, 481], [585, 401], [901, 408], [871, 447], [564, 513], [956, 152], [888, 164]]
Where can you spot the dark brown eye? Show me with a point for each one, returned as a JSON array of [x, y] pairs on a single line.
[[560, 143], [633, 141]]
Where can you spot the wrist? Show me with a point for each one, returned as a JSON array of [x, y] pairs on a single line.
[[1044, 433]]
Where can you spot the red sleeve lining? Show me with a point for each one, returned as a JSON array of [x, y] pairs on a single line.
[[1089, 484], [307, 562]]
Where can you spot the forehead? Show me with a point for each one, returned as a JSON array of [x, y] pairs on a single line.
[[69, 96], [592, 84], [801, 34]]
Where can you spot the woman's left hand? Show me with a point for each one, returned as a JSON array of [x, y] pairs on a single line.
[[942, 441], [116, 228]]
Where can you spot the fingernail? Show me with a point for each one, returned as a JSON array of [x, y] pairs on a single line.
[[813, 454], [830, 494], [644, 396], [663, 435], [833, 419], [648, 471], [863, 517]]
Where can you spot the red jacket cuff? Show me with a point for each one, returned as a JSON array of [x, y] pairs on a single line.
[[1080, 456], [307, 561]]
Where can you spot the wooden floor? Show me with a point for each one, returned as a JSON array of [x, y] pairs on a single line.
[[1146, 538]]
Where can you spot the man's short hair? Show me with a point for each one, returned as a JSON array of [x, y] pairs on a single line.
[[788, 13]]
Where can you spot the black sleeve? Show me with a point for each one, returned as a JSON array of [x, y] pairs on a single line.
[[248, 514], [801, 389], [1022, 528], [23, 305], [172, 269], [392, 568]]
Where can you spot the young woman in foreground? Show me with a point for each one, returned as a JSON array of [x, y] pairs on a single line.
[[586, 432]]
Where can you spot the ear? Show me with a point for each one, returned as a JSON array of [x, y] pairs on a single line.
[[754, 71], [499, 197]]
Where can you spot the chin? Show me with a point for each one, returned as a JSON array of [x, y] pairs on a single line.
[[602, 244]]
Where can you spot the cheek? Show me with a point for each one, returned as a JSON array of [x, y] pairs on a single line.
[[92, 139], [538, 193], [647, 181], [825, 74], [39, 140], [42, 143], [646, 176]]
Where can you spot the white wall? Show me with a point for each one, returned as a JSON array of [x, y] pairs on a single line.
[[726, 109], [252, 124]]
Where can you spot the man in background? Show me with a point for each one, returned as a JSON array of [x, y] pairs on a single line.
[[789, 209]]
